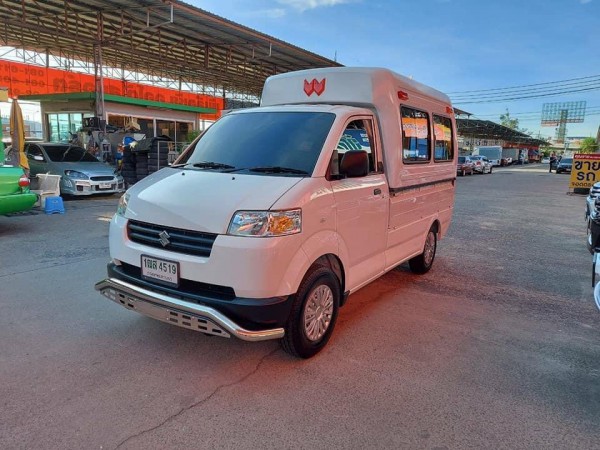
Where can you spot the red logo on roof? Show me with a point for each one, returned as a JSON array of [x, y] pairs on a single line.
[[318, 87]]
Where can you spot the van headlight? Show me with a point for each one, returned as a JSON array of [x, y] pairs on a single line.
[[122, 207], [266, 223]]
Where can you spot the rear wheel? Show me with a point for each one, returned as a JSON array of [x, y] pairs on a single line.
[[313, 314], [423, 262]]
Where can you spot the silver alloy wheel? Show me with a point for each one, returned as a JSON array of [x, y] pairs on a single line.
[[317, 312], [429, 251]]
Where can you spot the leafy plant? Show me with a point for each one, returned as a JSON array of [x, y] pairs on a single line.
[[588, 145]]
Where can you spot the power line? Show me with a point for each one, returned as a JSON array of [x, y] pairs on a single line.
[[581, 84], [524, 85], [527, 96], [530, 115], [531, 112]]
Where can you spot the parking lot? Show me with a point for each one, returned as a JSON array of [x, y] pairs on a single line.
[[498, 346]]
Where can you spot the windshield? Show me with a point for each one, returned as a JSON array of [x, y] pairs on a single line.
[[567, 161], [66, 153], [289, 143], [461, 159]]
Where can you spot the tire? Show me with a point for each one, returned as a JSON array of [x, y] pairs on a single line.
[[422, 263], [462, 173], [128, 173], [319, 290], [161, 159], [490, 170]]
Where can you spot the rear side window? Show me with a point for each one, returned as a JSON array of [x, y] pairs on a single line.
[[444, 140], [415, 135]]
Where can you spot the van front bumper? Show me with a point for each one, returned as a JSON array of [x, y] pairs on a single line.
[[249, 319]]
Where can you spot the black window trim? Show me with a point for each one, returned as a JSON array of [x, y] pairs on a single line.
[[443, 161], [429, 141]]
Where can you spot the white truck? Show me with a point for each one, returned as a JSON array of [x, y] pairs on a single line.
[[275, 215], [510, 156], [492, 152]]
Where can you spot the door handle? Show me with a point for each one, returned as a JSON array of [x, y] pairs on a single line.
[[377, 191]]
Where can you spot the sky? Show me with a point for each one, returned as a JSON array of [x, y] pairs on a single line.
[[460, 47]]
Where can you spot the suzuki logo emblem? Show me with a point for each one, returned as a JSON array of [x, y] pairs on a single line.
[[163, 236], [318, 87]]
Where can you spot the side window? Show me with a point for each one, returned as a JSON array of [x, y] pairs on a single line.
[[357, 137], [444, 140], [33, 150], [416, 145]]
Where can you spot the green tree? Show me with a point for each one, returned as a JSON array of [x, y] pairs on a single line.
[[588, 145], [508, 121]]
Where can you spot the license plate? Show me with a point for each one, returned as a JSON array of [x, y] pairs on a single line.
[[105, 186], [160, 270]]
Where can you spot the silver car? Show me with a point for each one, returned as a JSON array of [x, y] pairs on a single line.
[[481, 164], [81, 173]]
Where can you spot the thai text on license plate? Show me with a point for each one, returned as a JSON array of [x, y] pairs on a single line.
[[105, 186], [160, 270]]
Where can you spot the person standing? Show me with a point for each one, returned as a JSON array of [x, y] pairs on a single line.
[[552, 162]]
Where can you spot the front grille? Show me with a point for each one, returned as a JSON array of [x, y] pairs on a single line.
[[172, 239], [212, 291], [103, 178], [595, 191]]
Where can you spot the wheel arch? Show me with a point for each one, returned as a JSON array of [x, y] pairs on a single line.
[[334, 263]]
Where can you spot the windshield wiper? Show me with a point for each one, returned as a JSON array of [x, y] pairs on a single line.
[[277, 169], [211, 165], [205, 165]]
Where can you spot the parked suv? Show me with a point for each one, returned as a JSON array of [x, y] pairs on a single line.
[[564, 165]]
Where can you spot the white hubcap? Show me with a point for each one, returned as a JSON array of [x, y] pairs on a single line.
[[317, 312], [429, 252]]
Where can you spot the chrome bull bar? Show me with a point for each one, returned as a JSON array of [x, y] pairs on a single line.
[[179, 312]]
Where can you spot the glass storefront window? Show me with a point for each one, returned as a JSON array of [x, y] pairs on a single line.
[[60, 126], [165, 128]]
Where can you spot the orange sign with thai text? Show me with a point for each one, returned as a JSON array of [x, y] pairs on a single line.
[[24, 79]]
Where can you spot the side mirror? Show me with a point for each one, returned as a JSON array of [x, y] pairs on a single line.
[[355, 163]]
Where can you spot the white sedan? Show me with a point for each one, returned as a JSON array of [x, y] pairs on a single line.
[[481, 164]]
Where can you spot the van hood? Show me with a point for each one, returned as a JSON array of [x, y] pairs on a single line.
[[201, 200]]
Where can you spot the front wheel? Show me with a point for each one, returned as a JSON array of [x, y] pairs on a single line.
[[423, 262], [313, 314]]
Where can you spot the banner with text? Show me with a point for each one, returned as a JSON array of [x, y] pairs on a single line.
[[25, 79], [585, 171]]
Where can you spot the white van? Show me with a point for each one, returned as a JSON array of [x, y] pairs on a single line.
[[273, 216]]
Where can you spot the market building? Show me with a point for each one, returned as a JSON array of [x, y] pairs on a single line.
[[473, 133], [148, 67]]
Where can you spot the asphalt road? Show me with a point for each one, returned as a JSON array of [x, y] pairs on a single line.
[[498, 346]]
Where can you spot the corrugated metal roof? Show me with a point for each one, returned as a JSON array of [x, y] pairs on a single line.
[[164, 38], [486, 129]]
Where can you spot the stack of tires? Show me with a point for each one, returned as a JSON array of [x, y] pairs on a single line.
[[141, 165], [150, 155], [158, 153], [128, 170]]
